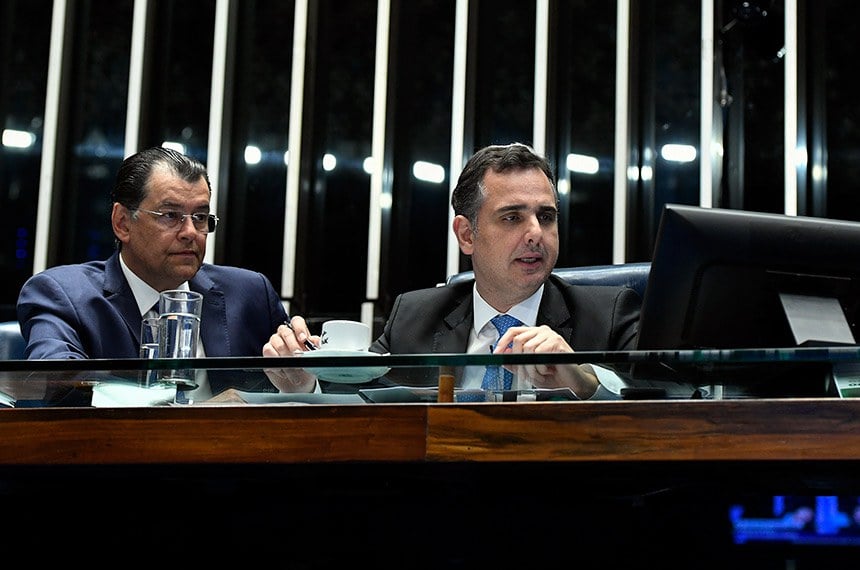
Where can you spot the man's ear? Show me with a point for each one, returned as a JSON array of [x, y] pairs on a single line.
[[465, 234], [120, 218]]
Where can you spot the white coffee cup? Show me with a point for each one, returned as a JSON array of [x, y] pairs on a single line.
[[345, 335]]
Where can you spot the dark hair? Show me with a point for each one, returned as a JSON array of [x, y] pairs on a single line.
[[468, 195], [133, 175]]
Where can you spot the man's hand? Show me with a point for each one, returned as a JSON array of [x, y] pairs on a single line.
[[290, 340], [579, 378]]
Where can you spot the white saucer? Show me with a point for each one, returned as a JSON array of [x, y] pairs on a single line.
[[348, 374]]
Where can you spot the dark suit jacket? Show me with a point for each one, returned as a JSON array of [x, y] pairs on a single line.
[[438, 319], [88, 311]]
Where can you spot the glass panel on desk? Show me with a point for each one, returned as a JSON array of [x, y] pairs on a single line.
[[416, 378]]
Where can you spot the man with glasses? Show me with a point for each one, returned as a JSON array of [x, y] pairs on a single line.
[[161, 220]]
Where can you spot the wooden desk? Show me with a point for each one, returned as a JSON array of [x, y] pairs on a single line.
[[436, 486], [689, 430]]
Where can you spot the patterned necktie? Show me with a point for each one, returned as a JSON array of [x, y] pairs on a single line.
[[492, 375]]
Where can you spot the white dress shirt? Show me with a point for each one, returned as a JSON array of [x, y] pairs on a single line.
[[484, 335], [146, 298]]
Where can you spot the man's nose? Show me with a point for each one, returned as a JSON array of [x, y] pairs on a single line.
[[534, 231], [186, 225]]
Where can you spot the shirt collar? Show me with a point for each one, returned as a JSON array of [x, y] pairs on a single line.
[[526, 311], [145, 296]]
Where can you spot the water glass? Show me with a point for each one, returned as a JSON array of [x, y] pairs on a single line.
[[179, 331], [149, 337], [149, 347]]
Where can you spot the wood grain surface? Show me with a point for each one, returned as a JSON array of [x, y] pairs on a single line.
[[757, 430]]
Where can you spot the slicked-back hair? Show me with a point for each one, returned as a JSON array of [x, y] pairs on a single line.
[[132, 178], [469, 194]]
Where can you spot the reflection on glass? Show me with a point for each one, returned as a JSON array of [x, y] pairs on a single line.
[[334, 210], [23, 84], [750, 47], [833, 111], [256, 191], [422, 77], [178, 90], [583, 129], [99, 95]]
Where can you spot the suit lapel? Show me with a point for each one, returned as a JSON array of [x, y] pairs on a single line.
[[453, 336], [117, 292], [555, 312], [213, 319]]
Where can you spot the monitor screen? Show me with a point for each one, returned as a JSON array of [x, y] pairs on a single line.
[[723, 279], [794, 531], [797, 520]]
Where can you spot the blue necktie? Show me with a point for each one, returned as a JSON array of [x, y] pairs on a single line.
[[492, 375]]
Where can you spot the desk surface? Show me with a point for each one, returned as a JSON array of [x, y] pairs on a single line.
[[525, 483], [729, 430], [234, 432]]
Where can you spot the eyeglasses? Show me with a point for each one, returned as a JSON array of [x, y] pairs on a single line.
[[203, 223]]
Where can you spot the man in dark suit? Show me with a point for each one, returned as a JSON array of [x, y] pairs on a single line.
[[161, 220], [506, 207]]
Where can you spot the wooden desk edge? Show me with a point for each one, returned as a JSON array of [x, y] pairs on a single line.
[[730, 430]]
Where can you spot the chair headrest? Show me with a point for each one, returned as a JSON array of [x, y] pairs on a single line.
[[633, 275]]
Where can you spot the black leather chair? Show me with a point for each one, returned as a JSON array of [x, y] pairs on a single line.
[[11, 341], [634, 275]]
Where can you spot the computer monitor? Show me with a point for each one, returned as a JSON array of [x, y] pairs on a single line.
[[724, 279]]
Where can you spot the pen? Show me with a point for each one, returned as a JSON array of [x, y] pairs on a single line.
[[308, 344]]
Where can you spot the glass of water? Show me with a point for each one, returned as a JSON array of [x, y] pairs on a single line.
[[179, 331], [149, 347], [149, 337]]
